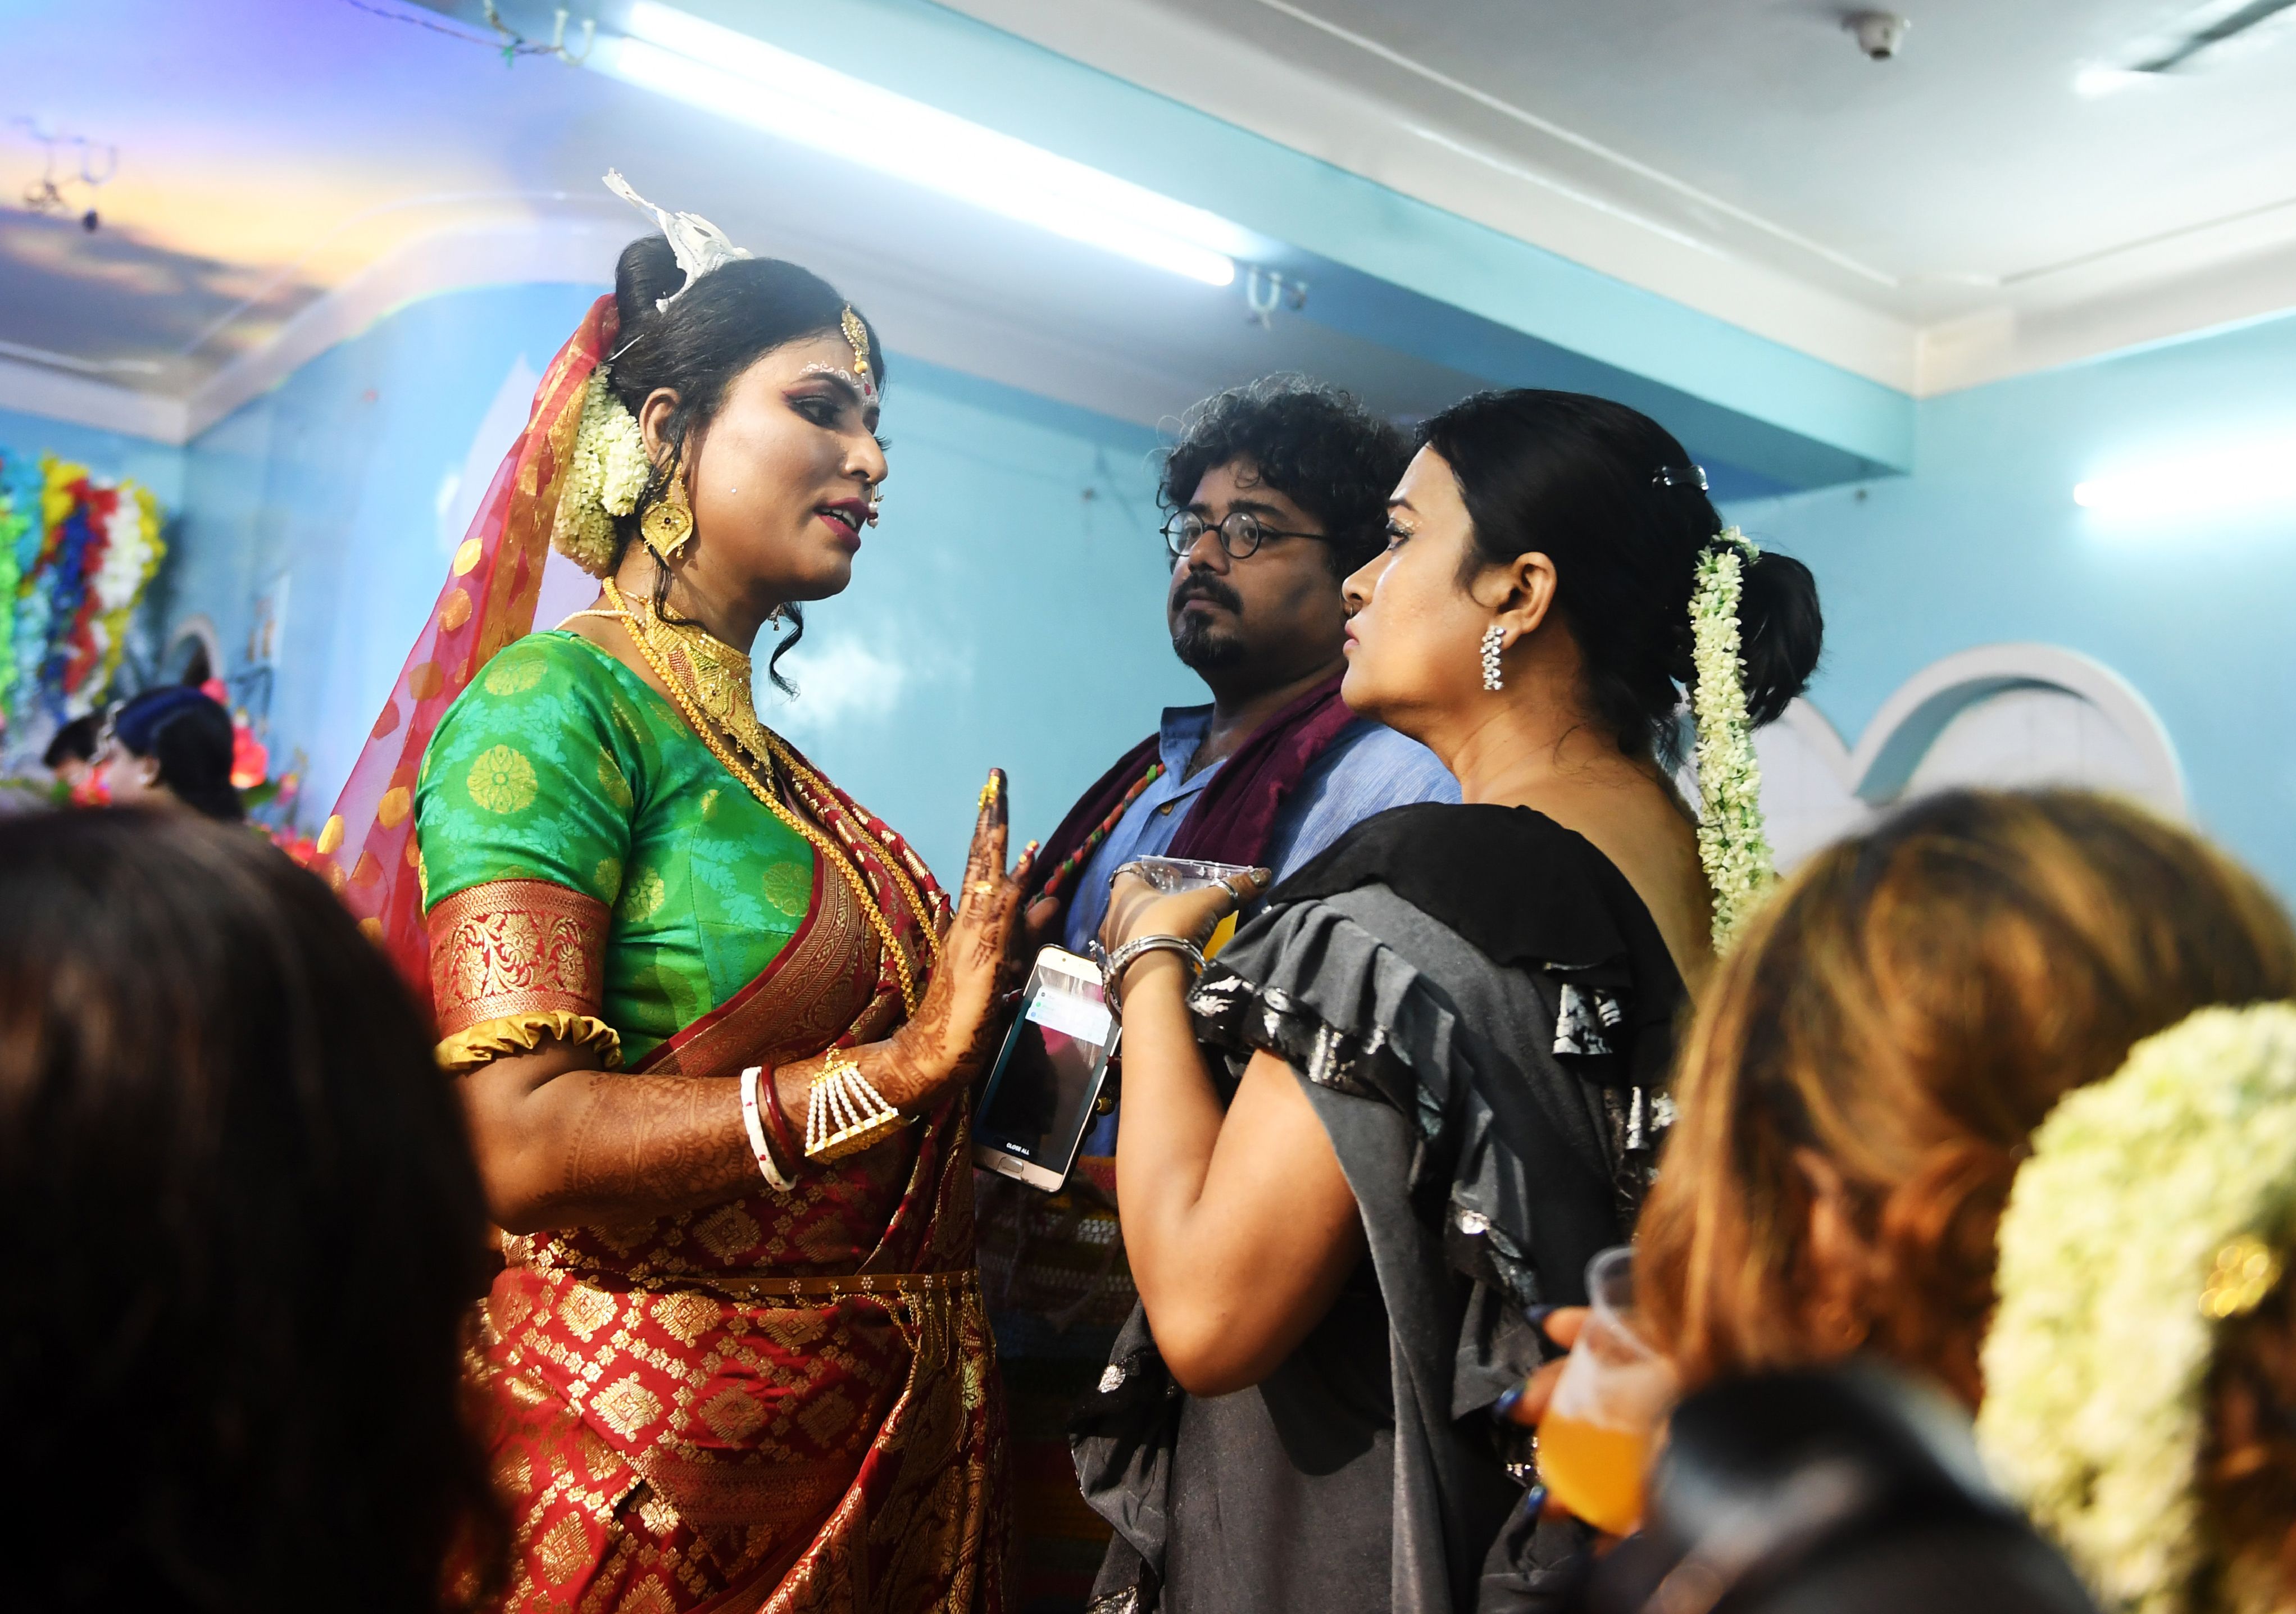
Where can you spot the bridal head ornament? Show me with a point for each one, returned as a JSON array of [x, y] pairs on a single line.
[[700, 246]]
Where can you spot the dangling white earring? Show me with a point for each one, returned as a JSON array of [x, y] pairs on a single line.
[[1494, 638], [775, 616]]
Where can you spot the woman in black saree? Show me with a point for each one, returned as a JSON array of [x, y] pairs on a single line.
[[1420, 1089]]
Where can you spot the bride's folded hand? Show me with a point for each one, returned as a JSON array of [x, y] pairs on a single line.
[[953, 1034]]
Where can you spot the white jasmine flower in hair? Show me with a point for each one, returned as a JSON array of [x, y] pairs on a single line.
[[2097, 1365], [1732, 843], [607, 472]]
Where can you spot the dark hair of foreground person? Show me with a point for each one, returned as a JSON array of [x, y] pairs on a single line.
[[245, 1232]]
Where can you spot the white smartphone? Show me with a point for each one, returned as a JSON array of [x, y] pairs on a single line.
[[1047, 1078]]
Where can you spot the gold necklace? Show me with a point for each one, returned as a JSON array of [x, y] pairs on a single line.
[[735, 702], [796, 769]]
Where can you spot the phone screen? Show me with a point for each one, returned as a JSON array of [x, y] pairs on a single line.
[[1040, 1095]]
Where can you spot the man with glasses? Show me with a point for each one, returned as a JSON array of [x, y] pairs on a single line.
[[1276, 492]]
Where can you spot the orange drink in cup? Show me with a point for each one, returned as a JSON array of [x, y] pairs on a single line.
[[1594, 1440]]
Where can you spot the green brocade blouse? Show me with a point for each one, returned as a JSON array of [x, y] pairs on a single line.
[[560, 764]]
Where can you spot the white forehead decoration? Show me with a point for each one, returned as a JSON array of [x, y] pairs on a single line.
[[858, 380], [699, 245]]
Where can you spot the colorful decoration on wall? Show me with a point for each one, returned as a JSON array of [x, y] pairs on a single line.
[[76, 555]]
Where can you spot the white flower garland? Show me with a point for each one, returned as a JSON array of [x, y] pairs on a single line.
[[2155, 1203], [1732, 842], [609, 471]]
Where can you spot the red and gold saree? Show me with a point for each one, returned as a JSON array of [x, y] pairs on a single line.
[[779, 1402]]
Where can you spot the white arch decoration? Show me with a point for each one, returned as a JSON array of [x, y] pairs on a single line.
[[1816, 788], [1910, 720]]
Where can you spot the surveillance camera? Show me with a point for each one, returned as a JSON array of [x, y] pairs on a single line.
[[1879, 34]]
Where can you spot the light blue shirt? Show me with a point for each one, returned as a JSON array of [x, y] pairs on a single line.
[[1367, 769]]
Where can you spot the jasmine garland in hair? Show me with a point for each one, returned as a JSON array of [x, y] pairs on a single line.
[[1732, 842], [609, 472], [2097, 1364]]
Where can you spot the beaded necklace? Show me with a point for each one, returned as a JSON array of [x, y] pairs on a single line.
[[1077, 859], [728, 686]]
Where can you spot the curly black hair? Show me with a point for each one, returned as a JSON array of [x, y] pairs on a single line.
[[1314, 444]]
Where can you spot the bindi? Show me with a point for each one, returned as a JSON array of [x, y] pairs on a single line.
[[859, 386]]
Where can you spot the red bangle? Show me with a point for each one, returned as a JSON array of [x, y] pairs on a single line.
[[777, 1124]]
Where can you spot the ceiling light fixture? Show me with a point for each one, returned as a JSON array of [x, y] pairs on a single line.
[[2263, 473], [677, 54]]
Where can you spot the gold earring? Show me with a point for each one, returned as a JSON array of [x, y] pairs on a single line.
[[668, 524]]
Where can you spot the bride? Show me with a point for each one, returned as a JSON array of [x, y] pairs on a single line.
[[712, 1021]]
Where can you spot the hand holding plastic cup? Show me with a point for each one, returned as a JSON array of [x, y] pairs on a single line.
[[1596, 1437], [1171, 875]]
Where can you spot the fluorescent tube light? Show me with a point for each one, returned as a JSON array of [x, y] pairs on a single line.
[[2227, 479], [679, 54], [2095, 81]]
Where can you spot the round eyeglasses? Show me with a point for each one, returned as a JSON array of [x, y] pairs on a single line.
[[1240, 535]]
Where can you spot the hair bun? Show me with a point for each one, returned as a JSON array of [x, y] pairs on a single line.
[[1781, 630], [646, 274]]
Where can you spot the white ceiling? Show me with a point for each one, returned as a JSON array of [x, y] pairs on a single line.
[[290, 170], [1960, 212]]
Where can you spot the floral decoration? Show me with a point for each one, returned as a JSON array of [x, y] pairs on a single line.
[[1732, 844], [607, 474], [2097, 1363], [16, 506], [76, 556]]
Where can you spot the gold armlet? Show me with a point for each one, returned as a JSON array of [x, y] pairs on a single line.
[[843, 1113], [514, 1034]]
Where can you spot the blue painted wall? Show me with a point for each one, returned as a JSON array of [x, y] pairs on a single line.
[[1983, 543], [1007, 610], [109, 455]]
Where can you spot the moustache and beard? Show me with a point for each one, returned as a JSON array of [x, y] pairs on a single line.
[[1199, 641]]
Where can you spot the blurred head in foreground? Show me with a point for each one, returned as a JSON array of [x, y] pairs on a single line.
[[244, 1231], [1866, 1072]]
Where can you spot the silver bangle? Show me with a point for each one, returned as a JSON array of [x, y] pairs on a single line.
[[1112, 973]]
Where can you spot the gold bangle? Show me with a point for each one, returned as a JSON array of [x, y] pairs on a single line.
[[843, 1113]]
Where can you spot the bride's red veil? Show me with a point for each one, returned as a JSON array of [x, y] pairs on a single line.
[[367, 848]]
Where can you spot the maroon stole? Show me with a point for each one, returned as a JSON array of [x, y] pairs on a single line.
[[1233, 818]]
